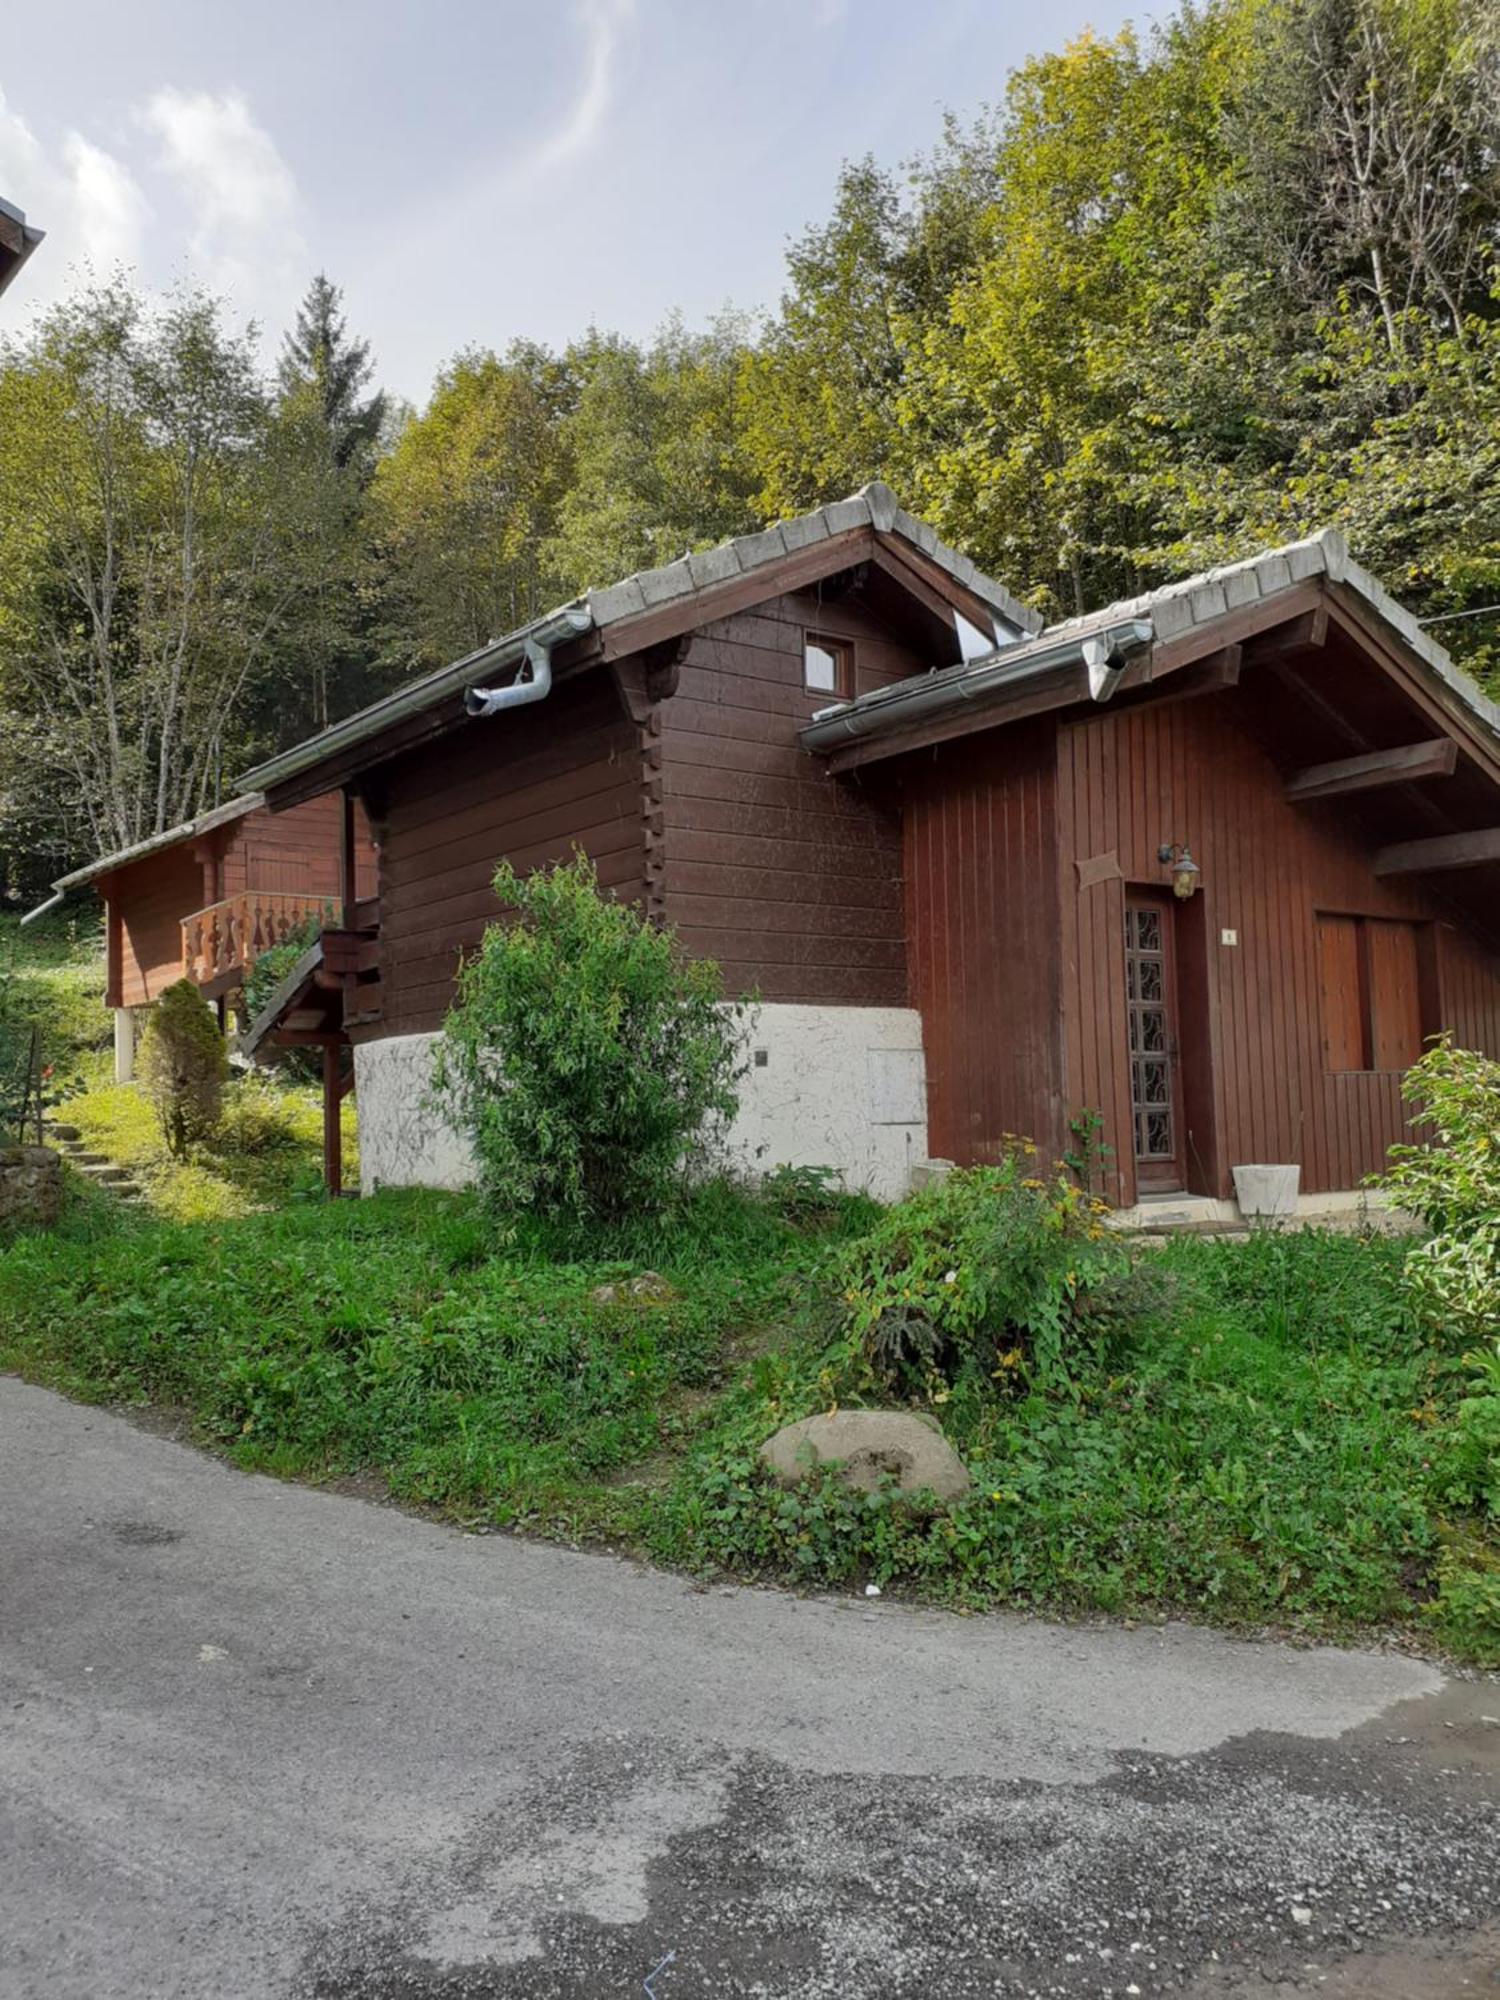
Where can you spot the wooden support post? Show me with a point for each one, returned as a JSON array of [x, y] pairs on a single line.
[[348, 883], [333, 1132]]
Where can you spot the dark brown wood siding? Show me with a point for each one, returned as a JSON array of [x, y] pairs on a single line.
[[525, 787], [296, 850], [150, 900], [982, 916], [790, 878], [1275, 1022]]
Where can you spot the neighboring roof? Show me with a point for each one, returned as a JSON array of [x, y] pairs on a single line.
[[874, 506], [190, 829], [18, 238], [1169, 614]]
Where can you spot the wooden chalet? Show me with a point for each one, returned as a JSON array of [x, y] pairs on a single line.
[[204, 899], [1210, 864]]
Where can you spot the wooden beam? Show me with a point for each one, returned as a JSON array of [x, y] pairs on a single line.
[[1299, 635], [348, 887], [737, 593], [941, 583], [1212, 675], [1427, 691], [1443, 851], [1436, 758], [333, 1131]]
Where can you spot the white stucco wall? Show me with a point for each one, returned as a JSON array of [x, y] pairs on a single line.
[[405, 1140], [837, 1087]]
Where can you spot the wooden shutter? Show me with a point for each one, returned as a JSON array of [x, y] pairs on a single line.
[[1395, 994], [1343, 1007]]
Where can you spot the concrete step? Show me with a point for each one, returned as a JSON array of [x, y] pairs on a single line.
[[106, 1175], [81, 1157]]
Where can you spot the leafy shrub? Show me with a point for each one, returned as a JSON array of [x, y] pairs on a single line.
[[805, 1196], [586, 1054], [987, 1270], [1466, 1610], [183, 1066], [1453, 1184]]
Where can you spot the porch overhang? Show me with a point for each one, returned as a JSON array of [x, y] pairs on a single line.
[[1191, 637]]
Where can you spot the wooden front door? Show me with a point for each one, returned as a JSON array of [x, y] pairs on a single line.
[[1151, 997]]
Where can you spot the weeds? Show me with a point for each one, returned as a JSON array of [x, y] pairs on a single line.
[[1264, 1437]]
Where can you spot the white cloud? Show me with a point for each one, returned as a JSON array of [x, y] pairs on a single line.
[[241, 196], [603, 23], [86, 199], [226, 165]]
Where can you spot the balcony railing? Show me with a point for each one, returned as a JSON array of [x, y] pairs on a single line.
[[221, 943]]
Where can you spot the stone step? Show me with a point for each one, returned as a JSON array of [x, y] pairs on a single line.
[[80, 1156], [63, 1133], [107, 1175]]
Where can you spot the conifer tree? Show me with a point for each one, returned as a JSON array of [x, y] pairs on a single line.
[[319, 355]]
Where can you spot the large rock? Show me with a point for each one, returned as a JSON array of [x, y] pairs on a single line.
[[31, 1186], [869, 1445]]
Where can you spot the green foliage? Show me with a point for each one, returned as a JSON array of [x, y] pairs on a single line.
[[262, 980], [463, 508], [806, 1196], [985, 1272], [183, 1066], [586, 1053], [266, 1149], [1466, 1611], [1268, 1440], [657, 462], [1453, 1184], [319, 355], [52, 1013], [1256, 1446]]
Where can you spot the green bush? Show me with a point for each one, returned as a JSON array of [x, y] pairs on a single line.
[[587, 1056], [1453, 1184], [990, 1270], [183, 1066]]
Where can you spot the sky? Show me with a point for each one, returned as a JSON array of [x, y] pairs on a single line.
[[472, 173]]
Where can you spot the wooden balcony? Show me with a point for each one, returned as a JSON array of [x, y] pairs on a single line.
[[221, 942]]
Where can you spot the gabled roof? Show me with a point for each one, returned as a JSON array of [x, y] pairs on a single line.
[[157, 843], [694, 583], [1169, 617]]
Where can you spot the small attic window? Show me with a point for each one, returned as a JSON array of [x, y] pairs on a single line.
[[827, 665]]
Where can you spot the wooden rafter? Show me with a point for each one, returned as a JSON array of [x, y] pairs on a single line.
[[1435, 758], [1443, 851]]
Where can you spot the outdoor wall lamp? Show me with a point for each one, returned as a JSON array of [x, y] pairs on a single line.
[[1185, 871]]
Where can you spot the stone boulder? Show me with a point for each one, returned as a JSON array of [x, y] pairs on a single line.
[[31, 1186], [867, 1446]]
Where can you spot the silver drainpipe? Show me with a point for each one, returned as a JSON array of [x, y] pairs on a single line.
[[42, 908], [533, 677]]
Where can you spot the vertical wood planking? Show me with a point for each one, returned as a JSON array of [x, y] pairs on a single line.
[[1132, 779]]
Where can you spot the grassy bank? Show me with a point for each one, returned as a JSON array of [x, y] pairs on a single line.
[[1267, 1440], [266, 1150]]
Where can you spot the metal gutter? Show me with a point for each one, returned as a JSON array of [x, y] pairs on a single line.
[[154, 843], [42, 908], [457, 679], [1106, 651]]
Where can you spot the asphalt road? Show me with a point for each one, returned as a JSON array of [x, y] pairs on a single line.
[[262, 1741]]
